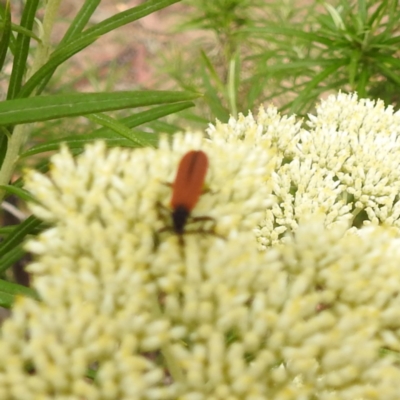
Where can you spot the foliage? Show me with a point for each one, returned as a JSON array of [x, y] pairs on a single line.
[[253, 51], [26, 46], [289, 52]]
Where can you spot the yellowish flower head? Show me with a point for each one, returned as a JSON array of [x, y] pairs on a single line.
[[344, 163], [107, 267], [128, 312]]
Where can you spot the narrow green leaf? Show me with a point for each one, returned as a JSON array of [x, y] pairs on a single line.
[[80, 20], [254, 93], [57, 58], [336, 17], [6, 230], [354, 66], [112, 139], [20, 29], [213, 72], [295, 65], [155, 113], [87, 37], [13, 256], [362, 12], [197, 119], [314, 94], [164, 127], [394, 62], [43, 108], [3, 144], [77, 143], [6, 300], [362, 81], [128, 16], [18, 235], [388, 72], [6, 34], [9, 291], [313, 83], [74, 29], [118, 128], [212, 98], [21, 193], [391, 11], [296, 33], [22, 49], [232, 85], [42, 166], [377, 14], [390, 44], [13, 26]]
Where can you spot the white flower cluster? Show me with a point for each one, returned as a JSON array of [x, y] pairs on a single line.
[[130, 312], [101, 269], [346, 164]]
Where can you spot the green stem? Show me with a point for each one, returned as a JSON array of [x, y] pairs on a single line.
[[232, 87], [15, 143], [21, 132], [43, 49]]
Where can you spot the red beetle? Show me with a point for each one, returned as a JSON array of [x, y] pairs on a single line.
[[187, 188]]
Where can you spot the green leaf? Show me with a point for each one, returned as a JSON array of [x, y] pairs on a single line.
[[4, 135], [303, 66], [377, 14], [212, 96], [212, 71], [22, 49], [87, 37], [128, 16], [362, 81], [6, 34], [362, 12], [80, 20], [42, 108], [78, 142], [118, 128], [111, 138], [75, 28], [6, 300], [164, 127], [153, 114], [13, 256], [391, 12], [336, 17], [6, 230], [354, 66], [196, 119], [394, 62], [296, 33], [20, 29], [56, 58], [21, 193], [233, 84], [313, 83], [18, 235], [9, 291], [41, 166], [388, 72]]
